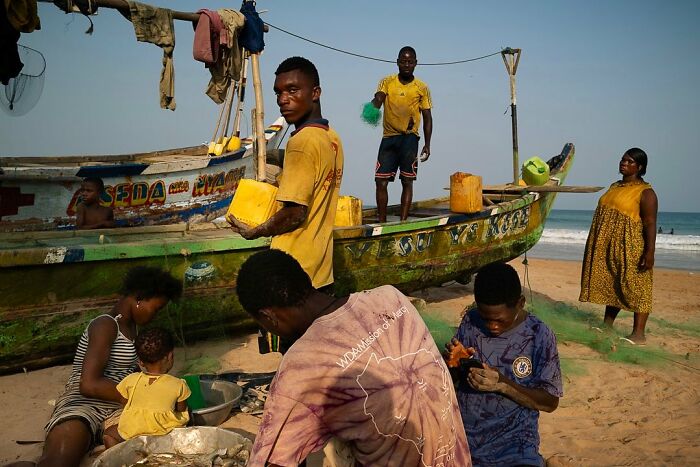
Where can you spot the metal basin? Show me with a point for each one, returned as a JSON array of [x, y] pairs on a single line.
[[198, 440], [220, 397]]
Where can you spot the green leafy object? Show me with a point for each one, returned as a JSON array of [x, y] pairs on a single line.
[[370, 114]]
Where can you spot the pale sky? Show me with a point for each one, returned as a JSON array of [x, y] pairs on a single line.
[[603, 75]]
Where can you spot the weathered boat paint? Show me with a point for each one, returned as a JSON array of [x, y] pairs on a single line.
[[53, 283], [156, 188]]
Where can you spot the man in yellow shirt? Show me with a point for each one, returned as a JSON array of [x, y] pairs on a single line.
[[405, 99], [310, 179]]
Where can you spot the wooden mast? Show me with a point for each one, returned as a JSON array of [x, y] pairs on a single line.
[[511, 58], [260, 142], [123, 8]]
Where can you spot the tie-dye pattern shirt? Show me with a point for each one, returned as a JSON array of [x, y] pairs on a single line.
[[500, 431], [369, 374]]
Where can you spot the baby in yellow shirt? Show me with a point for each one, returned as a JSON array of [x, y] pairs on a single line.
[[155, 402]]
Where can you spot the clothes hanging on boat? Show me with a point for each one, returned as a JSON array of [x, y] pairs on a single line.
[[251, 37], [22, 15], [228, 66], [10, 63], [209, 34], [155, 25]]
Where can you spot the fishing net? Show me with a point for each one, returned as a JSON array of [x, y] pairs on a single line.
[[579, 326], [200, 365], [22, 92], [576, 325], [441, 331], [370, 114]]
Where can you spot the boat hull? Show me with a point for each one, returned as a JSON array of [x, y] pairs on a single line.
[[56, 283], [156, 188]]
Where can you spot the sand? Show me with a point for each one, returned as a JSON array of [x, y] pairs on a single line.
[[611, 413]]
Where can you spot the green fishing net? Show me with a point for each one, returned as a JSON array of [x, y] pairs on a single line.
[[370, 114], [574, 325], [200, 365], [441, 331]]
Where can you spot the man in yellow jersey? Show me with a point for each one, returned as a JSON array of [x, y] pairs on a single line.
[[310, 179], [405, 99]]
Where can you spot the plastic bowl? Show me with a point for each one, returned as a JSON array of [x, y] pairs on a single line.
[[220, 398]]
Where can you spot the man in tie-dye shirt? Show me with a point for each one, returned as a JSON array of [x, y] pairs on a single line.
[[363, 370], [501, 402]]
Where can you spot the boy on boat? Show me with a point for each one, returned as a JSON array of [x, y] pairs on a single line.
[[500, 403], [90, 213], [310, 180], [363, 370], [405, 99]]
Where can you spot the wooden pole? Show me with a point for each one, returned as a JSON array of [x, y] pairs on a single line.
[[260, 141], [511, 58], [241, 96], [229, 102], [123, 8]]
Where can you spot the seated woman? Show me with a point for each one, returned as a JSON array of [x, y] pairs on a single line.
[[104, 357]]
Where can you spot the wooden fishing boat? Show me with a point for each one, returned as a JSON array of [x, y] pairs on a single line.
[[153, 188], [53, 283]]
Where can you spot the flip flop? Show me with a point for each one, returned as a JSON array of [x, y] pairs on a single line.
[[630, 341]]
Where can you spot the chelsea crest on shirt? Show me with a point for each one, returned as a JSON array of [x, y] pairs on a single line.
[[522, 367]]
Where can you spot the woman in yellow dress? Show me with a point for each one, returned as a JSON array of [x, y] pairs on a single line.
[[619, 257]]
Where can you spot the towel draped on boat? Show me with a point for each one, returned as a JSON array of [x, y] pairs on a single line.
[[209, 33], [155, 25]]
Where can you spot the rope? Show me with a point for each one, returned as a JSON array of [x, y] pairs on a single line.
[[379, 59]]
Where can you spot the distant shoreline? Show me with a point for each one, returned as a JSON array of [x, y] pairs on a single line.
[[672, 261]]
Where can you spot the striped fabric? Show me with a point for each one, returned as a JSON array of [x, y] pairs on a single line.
[[73, 405]]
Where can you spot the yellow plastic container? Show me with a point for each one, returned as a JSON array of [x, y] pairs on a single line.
[[234, 143], [465, 193], [348, 212], [254, 202]]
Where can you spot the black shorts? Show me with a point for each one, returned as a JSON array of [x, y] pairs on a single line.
[[397, 152]]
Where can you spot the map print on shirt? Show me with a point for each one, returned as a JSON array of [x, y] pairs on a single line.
[[410, 379], [370, 375]]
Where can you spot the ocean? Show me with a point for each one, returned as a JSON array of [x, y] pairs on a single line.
[[565, 234]]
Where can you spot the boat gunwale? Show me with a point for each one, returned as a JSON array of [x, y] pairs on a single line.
[[89, 160], [224, 242], [231, 241]]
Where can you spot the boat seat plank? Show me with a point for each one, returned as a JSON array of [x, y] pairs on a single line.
[[508, 188]]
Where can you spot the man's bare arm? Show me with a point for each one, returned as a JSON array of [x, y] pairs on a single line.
[[379, 98], [289, 218]]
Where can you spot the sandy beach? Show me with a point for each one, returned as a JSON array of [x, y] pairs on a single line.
[[613, 413]]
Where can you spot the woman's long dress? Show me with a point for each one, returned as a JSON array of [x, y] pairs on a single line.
[[615, 245]]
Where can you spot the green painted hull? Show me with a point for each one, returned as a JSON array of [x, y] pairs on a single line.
[[53, 283]]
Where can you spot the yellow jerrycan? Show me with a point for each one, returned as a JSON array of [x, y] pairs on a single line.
[[348, 212], [465, 193], [253, 202]]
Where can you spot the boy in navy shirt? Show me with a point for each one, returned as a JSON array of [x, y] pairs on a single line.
[[500, 403]]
